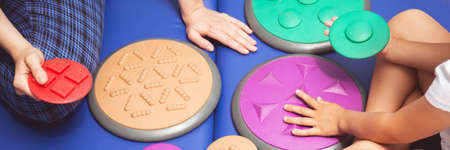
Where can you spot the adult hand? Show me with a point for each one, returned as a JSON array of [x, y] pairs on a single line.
[[324, 117], [28, 61], [203, 22]]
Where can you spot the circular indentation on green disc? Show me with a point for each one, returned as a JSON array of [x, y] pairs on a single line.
[[307, 2], [327, 13], [358, 32], [290, 19]]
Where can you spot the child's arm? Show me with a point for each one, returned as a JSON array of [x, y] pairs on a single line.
[[27, 58], [415, 121], [423, 56], [201, 21]]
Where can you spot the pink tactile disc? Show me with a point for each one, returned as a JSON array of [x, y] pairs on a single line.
[[162, 146], [265, 90], [68, 81]]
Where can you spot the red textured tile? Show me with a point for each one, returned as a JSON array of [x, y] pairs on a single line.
[[62, 87], [76, 74], [58, 66]]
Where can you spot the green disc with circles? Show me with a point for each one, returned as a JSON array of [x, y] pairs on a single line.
[[359, 34], [301, 21]]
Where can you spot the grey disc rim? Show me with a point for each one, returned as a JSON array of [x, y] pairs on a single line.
[[166, 133], [284, 45], [242, 128]]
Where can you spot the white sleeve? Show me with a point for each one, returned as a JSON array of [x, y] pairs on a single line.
[[438, 94]]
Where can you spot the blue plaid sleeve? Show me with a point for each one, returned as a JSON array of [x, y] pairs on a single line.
[[70, 29]]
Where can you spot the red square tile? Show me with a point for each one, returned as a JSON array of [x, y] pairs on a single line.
[[62, 87], [76, 74], [57, 66]]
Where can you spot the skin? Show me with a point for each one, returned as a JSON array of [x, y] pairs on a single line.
[[397, 112], [200, 22], [28, 59]]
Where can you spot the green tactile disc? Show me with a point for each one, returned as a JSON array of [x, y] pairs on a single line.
[[301, 21], [359, 34]]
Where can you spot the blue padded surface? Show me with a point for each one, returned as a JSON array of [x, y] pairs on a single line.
[[125, 22], [234, 67]]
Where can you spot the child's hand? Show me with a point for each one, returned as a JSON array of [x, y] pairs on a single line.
[[329, 23], [28, 61], [325, 117], [220, 26]]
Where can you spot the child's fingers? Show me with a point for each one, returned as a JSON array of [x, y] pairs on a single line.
[[328, 23], [308, 99], [299, 110], [34, 63], [327, 32], [306, 132], [334, 18], [304, 121]]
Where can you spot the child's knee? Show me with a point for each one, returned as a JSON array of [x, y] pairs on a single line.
[[406, 17], [402, 21]]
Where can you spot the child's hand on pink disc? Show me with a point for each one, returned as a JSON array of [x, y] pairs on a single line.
[[324, 118]]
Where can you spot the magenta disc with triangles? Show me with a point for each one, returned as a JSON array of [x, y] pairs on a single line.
[[265, 90]]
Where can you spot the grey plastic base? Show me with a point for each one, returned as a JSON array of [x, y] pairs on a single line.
[[284, 45], [167, 133], [242, 128]]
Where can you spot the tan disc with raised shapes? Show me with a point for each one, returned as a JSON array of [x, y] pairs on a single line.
[[153, 84], [232, 142]]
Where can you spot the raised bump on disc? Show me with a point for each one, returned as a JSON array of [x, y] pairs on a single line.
[[307, 2], [358, 32], [290, 19]]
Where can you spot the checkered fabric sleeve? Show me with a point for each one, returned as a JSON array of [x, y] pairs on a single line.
[[70, 29]]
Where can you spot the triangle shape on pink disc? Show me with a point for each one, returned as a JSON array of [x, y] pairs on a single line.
[[304, 69], [270, 79], [263, 110], [293, 100], [336, 88]]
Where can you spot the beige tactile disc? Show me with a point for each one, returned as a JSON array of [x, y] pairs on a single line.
[[232, 142], [153, 84]]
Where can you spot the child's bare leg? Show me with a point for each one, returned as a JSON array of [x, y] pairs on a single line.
[[385, 94], [369, 145], [391, 84], [426, 29]]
